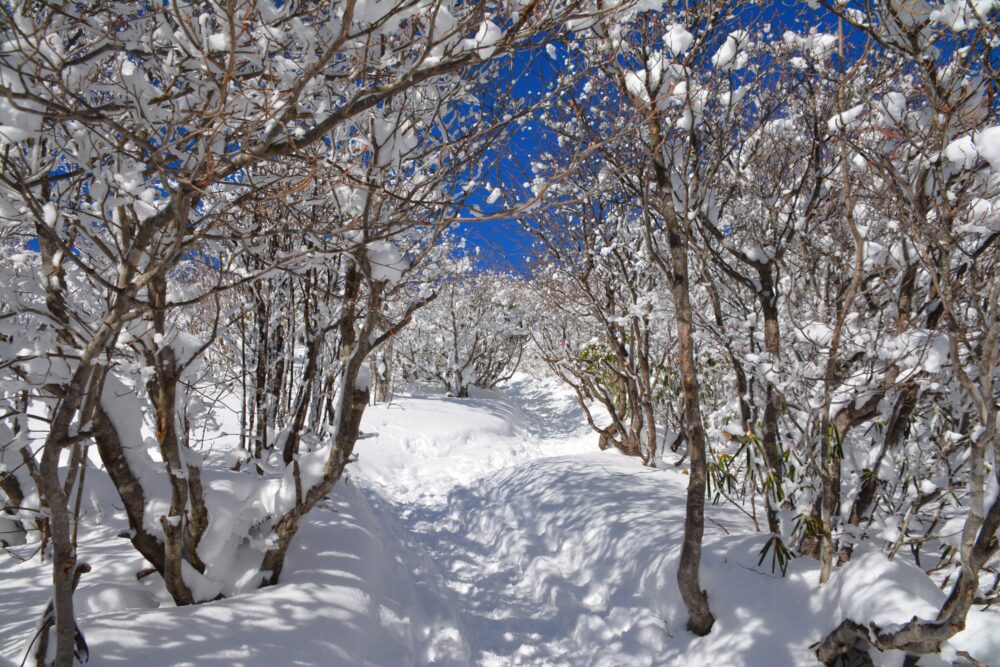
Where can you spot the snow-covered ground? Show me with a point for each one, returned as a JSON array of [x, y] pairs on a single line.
[[483, 531]]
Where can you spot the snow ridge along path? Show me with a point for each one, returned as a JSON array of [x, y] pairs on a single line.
[[486, 531]]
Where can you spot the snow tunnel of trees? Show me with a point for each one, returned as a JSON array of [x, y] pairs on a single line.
[[756, 241]]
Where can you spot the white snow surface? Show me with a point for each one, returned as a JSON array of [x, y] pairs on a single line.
[[842, 121], [419, 448], [487, 531], [677, 39], [988, 144]]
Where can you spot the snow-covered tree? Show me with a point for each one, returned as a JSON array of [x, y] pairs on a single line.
[[672, 82], [473, 334], [603, 324]]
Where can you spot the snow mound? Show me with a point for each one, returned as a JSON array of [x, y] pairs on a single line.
[[872, 589], [352, 595]]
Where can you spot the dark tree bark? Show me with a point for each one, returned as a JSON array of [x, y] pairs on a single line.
[[700, 618]]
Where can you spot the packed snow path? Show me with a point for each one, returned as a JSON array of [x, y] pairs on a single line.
[[482, 532], [535, 553], [557, 554]]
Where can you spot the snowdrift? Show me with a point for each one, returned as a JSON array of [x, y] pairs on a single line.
[[349, 597]]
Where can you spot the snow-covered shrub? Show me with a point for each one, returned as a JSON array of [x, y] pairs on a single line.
[[473, 334]]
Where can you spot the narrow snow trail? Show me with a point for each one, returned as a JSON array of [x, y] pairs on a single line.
[[419, 448], [539, 578], [554, 553]]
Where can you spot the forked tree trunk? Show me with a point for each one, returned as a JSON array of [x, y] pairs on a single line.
[[700, 618], [77, 400], [187, 518], [349, 422]]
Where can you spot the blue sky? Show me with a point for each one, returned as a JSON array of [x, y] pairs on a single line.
[[502, 244]]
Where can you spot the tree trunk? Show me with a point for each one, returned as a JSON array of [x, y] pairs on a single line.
[[381, 372], [351, 411], [772, 445], [110, 447], [64, 563], [85, 380], [700, 619], [862, 506], [11, 488]]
